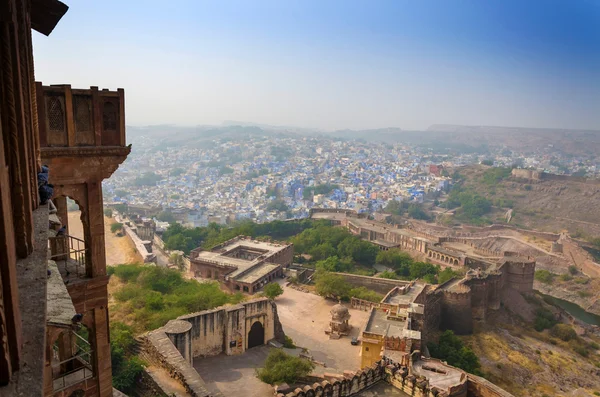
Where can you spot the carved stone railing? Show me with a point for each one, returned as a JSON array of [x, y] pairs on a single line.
[[74, 118]]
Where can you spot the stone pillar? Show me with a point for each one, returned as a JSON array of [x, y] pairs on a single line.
[[102, 357], [61, 210], [95, 217]]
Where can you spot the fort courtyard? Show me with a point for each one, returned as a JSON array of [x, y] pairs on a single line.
[[304, 317]]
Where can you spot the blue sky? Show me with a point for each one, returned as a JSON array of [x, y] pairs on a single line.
[[335, 64]]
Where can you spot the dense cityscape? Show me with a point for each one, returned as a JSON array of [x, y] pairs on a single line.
[[269, 177]]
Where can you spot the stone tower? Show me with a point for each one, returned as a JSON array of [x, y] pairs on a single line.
[[82, 139]]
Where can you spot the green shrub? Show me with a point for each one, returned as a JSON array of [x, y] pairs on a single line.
[[544, 276], [584, 294], [115, 227], [126, 367], [108, 212], [579, 348], [283, 368], [154, 295], [451, 349], [272, 290], [365, 294], [566, 277], [573, 270], [563, 332], [289, 343], [582, 280], [544, 319]]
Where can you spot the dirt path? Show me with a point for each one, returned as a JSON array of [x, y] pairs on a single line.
[[118, 249]]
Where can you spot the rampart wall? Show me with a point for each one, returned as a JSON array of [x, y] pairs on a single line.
[[379, 285]]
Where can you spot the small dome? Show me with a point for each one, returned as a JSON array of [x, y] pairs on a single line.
[[339, 311]]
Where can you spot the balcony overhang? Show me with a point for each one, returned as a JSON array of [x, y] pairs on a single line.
[[45, 15], [73, 165]]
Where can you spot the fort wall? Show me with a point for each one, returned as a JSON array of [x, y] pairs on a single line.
[[456, 312], [379, 285]]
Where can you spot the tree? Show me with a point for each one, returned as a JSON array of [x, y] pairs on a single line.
[[177, 260], [121, 193], [277, 205], [394, 207], [452, 350], [331, 285], [416, 211], [147, 179], [115, 227], [272, 290], [121, 208], [166, 216], [283, 368], [108, 212], [126, 367]]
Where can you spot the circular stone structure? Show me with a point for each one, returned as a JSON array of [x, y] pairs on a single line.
[[339, 312], [179, 332]]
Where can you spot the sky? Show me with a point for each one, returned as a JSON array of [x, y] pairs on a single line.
[[335, 64]]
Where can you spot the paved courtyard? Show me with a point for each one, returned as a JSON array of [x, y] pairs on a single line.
[[235, 376], [304, 318]]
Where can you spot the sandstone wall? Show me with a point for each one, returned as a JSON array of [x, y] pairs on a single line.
[[208, 330], [379, 285], [480, 387], [456, 311]]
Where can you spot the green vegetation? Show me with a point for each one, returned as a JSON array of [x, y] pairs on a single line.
[[406, 268], [147, 179], [272, 290], [175, 196], [330, 285], [544, 319], [413, 210], [563, 332], [472, 205], [289, 343], [166, 216], [115, 227], [108, 212], [121, 208], [283, 368], [152, 295], [225, 170], [178, 237], [277, 205], [319, 189], [544, 276], [452, 350], [322, 242], [494, 175], [126, 367], [121, 193], [573, 270]]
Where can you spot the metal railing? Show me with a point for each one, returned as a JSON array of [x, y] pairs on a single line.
[[75, 369], [69, 253]]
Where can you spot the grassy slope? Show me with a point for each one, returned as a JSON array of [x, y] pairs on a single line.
[[549, 206]]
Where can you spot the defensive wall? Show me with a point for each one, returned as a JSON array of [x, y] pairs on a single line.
[[422, 377], [461, 303], [539, 176], [379, 285], [227, 329]]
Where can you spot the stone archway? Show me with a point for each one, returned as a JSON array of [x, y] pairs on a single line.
[[256, 336]]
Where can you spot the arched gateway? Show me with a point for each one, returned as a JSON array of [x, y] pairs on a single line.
[[256, 336]]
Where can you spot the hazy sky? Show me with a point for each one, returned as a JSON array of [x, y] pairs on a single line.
[[335, 64]]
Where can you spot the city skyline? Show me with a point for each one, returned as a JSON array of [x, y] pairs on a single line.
[[337, 65]]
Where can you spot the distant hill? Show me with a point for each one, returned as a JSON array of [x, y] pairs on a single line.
[[547, 205]]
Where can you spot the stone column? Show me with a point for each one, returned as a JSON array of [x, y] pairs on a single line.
[[102, 357], [95, 216]]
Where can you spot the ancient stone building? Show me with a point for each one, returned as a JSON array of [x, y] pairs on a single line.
[[53, 314], [394, 326], [338, 326], [242, 264]]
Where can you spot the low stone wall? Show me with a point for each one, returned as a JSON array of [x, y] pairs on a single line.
[[379, 285], [480, 387], [148, 257], [160, 349]]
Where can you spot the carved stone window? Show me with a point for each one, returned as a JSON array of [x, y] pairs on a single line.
[[56, 113], [83, 112], [109, 116]]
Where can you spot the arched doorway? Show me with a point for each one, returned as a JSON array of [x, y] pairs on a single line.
[[256, 336]]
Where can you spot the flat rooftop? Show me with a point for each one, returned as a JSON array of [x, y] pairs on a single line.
[[379, 324], [397, 298], [439, 375], [248, 270]]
